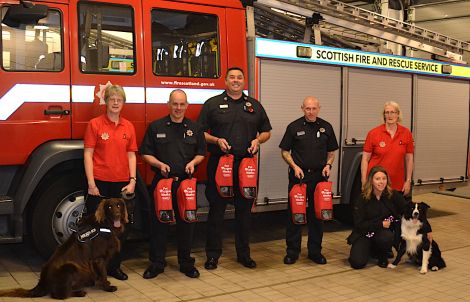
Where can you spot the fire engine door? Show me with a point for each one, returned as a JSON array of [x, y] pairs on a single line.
[[34, 86], [106, 48]]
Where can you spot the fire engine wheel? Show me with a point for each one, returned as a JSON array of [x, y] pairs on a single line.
[[56, 212]]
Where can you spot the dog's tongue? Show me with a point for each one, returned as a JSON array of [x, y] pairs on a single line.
[[415, 220], [117, 223]]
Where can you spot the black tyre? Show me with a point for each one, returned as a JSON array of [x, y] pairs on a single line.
[[56, 211]]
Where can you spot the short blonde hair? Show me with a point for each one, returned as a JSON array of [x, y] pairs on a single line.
[[396, 107], [114, 89]]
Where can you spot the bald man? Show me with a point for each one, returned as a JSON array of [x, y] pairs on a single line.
[[173, 146], [308, 147]]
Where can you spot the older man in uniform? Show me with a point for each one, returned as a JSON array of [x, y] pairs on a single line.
[[238, 124], [173, 146], [308, 147]]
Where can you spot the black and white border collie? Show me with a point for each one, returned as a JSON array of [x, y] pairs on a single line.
[[414, 240]]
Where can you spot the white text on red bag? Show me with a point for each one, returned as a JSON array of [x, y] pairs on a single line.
[[248, 177], [323, 200], [164, 201], [224, 176], [187, 202], [298, 203]]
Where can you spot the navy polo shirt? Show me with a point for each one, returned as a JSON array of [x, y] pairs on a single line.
[[174, 144], [309, 142]]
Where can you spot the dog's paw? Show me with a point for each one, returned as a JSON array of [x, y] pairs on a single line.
[[390, 265], [423, 270], [434, 268], [79, 293], [110, 288]]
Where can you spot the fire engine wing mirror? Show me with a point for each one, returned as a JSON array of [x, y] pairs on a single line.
[[24, 13]]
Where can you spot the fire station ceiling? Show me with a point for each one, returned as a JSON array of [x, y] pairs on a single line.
[[449, 17]]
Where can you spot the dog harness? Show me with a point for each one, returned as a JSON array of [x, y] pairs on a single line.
[[89, 233]]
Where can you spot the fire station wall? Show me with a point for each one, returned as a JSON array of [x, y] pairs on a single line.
[[283, 86], [441, 128], [368, 90]]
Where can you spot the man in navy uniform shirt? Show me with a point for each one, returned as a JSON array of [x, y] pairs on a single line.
[[308, 147], [238, 124], [173, 146]]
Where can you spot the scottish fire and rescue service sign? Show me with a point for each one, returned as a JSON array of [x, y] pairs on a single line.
[[285, 50]]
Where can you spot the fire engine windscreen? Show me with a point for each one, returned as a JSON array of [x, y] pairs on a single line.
[[185, 44]]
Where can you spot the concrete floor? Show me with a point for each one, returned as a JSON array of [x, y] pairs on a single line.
[[274, 281]]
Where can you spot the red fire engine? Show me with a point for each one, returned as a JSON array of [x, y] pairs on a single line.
[[56, 56]]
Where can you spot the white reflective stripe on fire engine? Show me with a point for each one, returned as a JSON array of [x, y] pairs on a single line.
[[135, 95], [195, 96], [86, 94], [83, 94], [32, 93]]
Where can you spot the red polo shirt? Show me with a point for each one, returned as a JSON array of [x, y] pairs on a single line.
[[111, 143], [390, 152]]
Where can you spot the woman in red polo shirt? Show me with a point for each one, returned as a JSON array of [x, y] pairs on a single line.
[[110, 160], [391, 146]]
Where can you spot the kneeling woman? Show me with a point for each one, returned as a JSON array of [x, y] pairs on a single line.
[[374, 215]]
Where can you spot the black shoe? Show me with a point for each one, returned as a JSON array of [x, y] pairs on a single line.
[[247, 262], [318, 259], [289, 260], [211, 263], [152, 271], [383, 262], [118, 274], [191, 273]]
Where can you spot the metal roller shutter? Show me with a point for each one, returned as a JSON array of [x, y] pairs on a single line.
[[441, 128], [368, 91], [284, 85]]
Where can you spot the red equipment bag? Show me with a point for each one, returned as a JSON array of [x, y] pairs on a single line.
[[186, 196], [323, 200], [298, 203], [248, 177], [164, 201], [224, 176]]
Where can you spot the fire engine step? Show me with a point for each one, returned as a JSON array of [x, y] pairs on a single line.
[[6, 205], [6, 211]]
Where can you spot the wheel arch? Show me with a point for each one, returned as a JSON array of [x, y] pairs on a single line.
[[46, 161], [350, 177]]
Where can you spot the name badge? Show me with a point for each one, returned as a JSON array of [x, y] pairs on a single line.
[[300, 133], [223, 106], [161, 135]]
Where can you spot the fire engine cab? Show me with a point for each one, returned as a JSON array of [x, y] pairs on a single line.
[[57, 55]]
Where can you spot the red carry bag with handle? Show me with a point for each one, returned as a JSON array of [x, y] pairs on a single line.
[[248, 177], [164, 201], [298, 203], [186, 195], [224, 176], [323, 197]]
